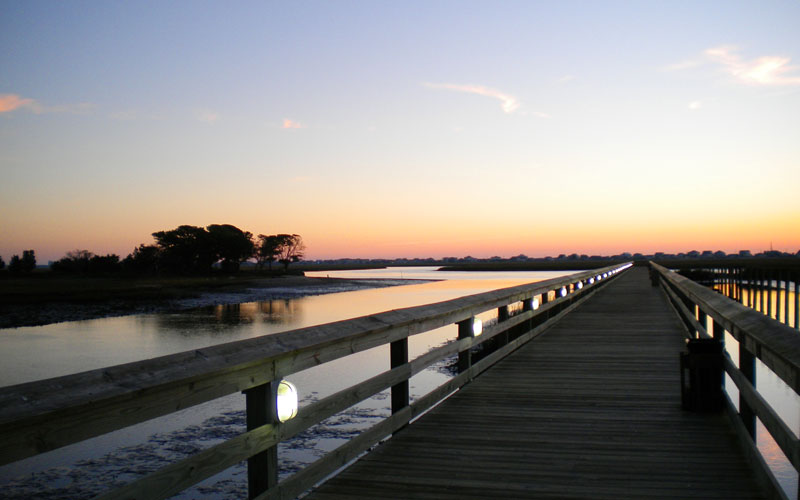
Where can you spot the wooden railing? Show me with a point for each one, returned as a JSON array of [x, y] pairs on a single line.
[[39, 416], [759, 337]]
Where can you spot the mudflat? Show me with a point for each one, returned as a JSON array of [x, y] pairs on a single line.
[[42, 299]]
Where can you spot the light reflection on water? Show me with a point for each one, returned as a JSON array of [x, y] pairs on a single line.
[[32, 353]]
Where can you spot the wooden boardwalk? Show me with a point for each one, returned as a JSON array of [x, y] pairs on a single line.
[[590, 409]]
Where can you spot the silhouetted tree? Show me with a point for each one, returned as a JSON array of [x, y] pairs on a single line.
[[104, 264], [191, 249], [2, 264], [75, 261], [267, 250], [15, 265], [25, 264], [85, 262], [185, 249], [143, 260], [28, 261], [290, 249], [231, 245]]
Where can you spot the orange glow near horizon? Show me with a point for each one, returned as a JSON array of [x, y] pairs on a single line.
[[438, 236]]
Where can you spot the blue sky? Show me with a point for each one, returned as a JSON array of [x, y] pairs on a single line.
[[402, 129]]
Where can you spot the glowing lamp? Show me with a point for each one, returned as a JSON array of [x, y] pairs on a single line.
[[287, 401], [591, 281], [535, 304], [580, 285], [563, 291], [477, 327], [605, 275]]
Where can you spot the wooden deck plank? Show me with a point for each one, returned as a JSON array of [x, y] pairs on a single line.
[[590, 409]]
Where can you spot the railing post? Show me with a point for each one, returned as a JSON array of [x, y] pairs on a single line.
[[465, 357], [262, 469], [786, 298], [747, 365], [778, 302], [502, 315], [769, 293], [796, 302], [527, 305], [702, 318], [398, 356]]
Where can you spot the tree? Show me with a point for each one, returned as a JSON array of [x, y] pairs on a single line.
[[267, 250], [104, 264], [15, 265], [185, 249], [192, 249], [75, 261], [231, 245], [25, 264], [143, 260], [28, 261], [290, 249], [2, 264]]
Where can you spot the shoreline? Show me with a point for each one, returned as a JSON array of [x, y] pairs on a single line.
[[257, 290]]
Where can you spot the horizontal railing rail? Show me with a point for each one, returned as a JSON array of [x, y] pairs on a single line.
[[759, 337], [44, 415]]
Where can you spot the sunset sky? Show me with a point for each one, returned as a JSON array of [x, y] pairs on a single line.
[[402, 129]]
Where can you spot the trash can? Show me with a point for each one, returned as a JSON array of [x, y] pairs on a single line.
[[701, 376]]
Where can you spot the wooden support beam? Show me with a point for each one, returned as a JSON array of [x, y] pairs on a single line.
[[262, 468], [398, 354], [747, 366], [465, 357]]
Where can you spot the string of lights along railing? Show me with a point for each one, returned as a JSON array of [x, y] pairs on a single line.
[[44, 415]]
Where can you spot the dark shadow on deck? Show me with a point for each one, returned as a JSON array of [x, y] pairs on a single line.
[[591, 409]]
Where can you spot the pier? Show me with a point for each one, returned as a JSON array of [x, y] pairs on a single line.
[[591, 409], [576, 394]]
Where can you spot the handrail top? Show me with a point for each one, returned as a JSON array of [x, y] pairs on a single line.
[[783, 342], [136, 379]]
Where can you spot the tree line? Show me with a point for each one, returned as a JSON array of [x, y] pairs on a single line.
[[18, 265], [183, 250]]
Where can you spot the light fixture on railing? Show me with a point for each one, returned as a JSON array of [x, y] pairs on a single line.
[[563, 291], [605, 275], [580, 285], [591, 281], [286, 401], [477, 327], [535, 303]]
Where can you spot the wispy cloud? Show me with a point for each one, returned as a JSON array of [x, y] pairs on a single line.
[[765, 70], [11, 102], [290, 124], [508, 102], [682, 65], [206, 116], [762, 71]]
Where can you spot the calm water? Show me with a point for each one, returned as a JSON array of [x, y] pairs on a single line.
[[32, 353]]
